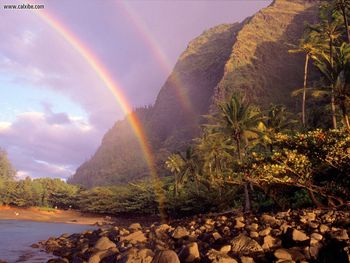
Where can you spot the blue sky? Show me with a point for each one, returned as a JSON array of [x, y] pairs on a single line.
[[18, 98], [54, 109]]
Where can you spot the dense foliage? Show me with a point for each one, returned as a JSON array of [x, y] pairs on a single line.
[[246, 156]]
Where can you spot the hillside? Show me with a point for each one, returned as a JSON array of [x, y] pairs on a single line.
[[251, 56]]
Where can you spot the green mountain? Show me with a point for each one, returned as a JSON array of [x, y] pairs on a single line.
[[251, 56]]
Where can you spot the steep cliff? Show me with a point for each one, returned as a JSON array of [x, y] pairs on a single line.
[[173, 120], [251, 56], [260, 64]]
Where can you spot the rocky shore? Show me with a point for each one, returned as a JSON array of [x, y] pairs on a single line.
[[291, 236]]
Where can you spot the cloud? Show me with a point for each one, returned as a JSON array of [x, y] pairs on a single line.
[[41, 147]]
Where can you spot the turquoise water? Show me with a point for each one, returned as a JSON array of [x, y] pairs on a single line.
[[16, 236]]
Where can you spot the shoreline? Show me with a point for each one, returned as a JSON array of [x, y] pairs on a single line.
[[53, 216]]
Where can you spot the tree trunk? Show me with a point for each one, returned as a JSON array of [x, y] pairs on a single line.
[[345, 115], [304, 90], [314, 199], [238, 143], [334, 118], [247, 205], [176, 185]]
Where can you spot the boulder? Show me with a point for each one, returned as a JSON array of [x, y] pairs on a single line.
[[265, 232], [270, 242], [282, 254], [267, 219], [138, 256], [340, 234], [166, 256], [245, 245], [98, 256], [307, 217], [323, 228], [104, 243], [299, 236], [215, 256], [239, 224], [254, 234], [135, 237], [180, 232], [190, 253], [247, 259], [135, 227], [225, 249]]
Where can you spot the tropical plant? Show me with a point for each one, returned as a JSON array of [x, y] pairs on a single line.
[[239, 120]]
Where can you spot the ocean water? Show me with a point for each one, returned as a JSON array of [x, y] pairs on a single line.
[[16, 236]]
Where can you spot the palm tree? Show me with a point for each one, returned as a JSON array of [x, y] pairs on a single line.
[[277, 120], [307, 49], [327, 32], [215, 151], [343, 7], [342, 88], [184, 167], [239, 120], [174, 164]]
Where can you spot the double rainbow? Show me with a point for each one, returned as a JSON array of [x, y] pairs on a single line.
[[116, 90]]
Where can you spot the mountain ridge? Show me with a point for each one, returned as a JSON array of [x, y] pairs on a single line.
[[251, 56]]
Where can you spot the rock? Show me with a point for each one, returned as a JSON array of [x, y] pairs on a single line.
[[104, 243], [32, 246], [135, 227], [180, 232], [51, 245], [138, 256], [299, 236], [323, 228], [134, 238], [282, 254], [245, 245], [340, 234], [165, 256], [254, 234], [252, 227], [270, 242], [218, 257], [296, 253], [247, 259], [267, 219], [225, 249], [313, 225], [307, 217], [314, 250], [161, 231], [239, 224], [216, 236], [98, 256], [316, 236], [189, 253], [265, 232]]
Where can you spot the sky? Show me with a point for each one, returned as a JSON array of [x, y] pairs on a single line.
[[54, 106]]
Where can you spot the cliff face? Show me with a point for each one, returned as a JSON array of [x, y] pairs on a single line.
[[251, 56], [173, 120], [260, 64]]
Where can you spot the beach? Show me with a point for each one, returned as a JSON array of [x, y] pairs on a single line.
[[53, 216]]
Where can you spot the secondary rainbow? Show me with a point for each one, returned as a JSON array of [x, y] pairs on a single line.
[[115, 89], [158, 53]]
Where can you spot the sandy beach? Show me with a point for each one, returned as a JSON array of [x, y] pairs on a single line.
[[54, 216]]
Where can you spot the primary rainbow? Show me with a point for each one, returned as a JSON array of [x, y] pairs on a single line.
[[115, 89], [158, 53]]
